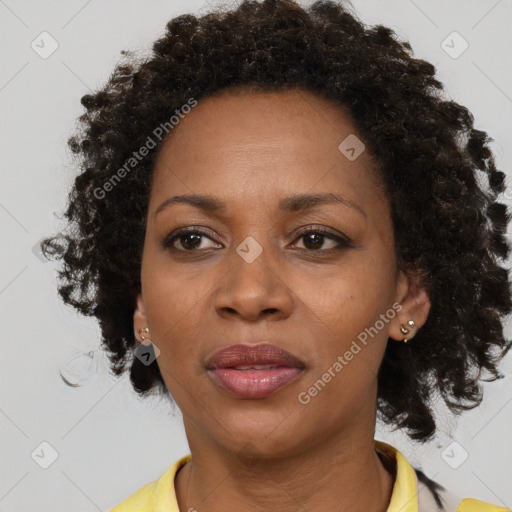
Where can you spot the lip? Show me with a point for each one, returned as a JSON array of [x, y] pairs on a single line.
[[242, 354], [253, 383]]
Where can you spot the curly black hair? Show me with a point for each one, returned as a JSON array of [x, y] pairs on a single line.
[[438, 173]]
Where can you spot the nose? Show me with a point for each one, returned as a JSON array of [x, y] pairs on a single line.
[[253, 291]]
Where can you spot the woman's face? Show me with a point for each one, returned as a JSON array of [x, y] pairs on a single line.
[[252, 275]]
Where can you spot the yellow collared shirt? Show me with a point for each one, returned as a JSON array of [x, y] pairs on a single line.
[[408, 495]]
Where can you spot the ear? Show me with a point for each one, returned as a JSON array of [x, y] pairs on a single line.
[[415, 304], [140, 320]]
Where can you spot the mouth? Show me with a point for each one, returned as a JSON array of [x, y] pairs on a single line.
[[253, 371]]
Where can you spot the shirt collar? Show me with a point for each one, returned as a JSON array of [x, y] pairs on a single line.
[[404, 497]]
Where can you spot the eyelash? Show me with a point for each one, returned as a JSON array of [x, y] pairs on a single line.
[[344, 242]]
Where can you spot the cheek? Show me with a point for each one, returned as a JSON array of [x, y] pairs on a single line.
[[351, 298], [170, 293], [343, 316], [348, 351], [173, 303]]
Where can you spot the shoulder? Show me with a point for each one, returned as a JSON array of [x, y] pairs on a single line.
[[414, 491], [140, 501], [155, 496], [474, 505], [433, 497]]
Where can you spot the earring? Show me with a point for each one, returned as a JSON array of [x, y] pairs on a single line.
[[404, 330], [143, 338]]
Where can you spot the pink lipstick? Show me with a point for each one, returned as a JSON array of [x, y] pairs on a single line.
[[253, 371]]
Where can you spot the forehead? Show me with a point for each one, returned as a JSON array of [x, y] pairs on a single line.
[[263, 143]]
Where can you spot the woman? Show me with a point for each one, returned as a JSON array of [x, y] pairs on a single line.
[[287, 229]]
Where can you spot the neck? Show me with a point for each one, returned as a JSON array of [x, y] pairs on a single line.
[[341, 473]]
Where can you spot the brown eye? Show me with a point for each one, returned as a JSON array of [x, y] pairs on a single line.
[[314, 240], [188, 239]]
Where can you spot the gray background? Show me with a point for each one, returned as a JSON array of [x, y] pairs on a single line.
[[109, 443]]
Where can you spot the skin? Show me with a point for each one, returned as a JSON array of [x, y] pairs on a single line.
[[301, 294]]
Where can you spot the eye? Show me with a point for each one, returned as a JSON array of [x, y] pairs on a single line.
[[188, 238], [314, 240]]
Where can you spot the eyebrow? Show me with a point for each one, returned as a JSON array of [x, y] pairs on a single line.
[[300, 202]]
